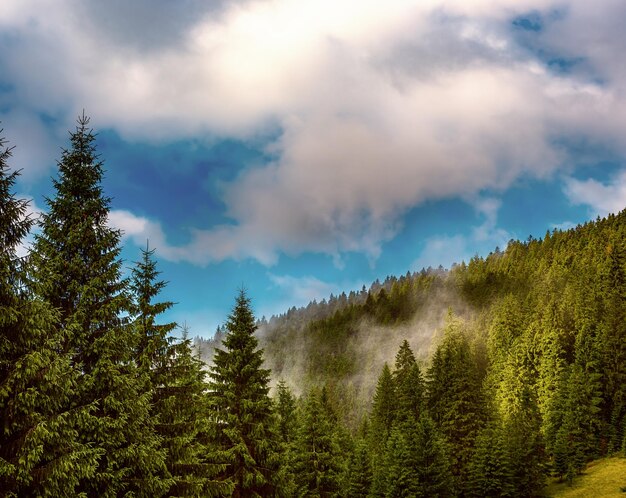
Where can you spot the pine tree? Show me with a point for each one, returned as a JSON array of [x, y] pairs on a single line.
[[433, 467], [359, 478], [455, 397], [176, 379], [182, 412], [287, 432], [490, 473], [241, 407], [317, 465], [408, 383], [78, 270], [383, 411], [40, 454]]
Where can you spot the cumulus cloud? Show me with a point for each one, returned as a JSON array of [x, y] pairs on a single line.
[[141, 230], [380, 106], [601, 198]]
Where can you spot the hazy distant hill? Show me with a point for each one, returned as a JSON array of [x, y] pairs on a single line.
[[344, 341]]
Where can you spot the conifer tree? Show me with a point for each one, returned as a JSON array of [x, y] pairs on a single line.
[[287, 433], [454, 396], [78, 270], [153, 339], [613, 340], [40, 454], [383, 411], [398, 477], [525, 445], [408, 383], [359, 478], [286, 411], [244, 431], [433, 467], [317, 466], [490, 474], [182, 412], [176, 379]]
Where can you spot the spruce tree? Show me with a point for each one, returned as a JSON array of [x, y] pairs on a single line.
[[40, 454], [408, 383], [398, 477], [433, 466], [78, 270], [244, 430], [613, 339], [182, 412], [176, 379], [381, 424], [287, 430], [286, 411], [490, 474], [455, 397], [525, 444], [317, 461], [383, 412], [153, 339], [359, 479]]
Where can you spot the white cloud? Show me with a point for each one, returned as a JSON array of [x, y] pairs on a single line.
[[381, 105], [443, 250], [565, 225], [484, 238], [601, 198], [141, 230], [302, 290]]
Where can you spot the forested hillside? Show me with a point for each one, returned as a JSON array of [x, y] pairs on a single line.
[[478, 381], [522, 354]]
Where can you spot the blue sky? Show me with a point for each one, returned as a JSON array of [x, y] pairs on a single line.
[[302, 148]]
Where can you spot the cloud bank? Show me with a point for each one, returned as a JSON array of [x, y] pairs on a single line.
[[379, 107]]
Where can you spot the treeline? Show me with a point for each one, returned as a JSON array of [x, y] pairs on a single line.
[[527, 376]]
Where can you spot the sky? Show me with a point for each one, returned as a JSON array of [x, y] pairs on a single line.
[[302, 148]]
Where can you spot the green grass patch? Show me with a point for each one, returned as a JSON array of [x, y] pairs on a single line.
[[601, 479]]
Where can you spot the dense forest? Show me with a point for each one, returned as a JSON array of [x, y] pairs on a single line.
[[483, 380]]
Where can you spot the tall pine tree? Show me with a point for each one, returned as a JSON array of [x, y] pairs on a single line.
[[455, 396], [40, 454], [78, 270], [409, 384], [244, 429], [176, 379], [317, 465]]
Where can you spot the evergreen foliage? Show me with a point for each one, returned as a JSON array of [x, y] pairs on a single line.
[[454, 396], [359, 479], [242, 411], [40, 451], [78, 271], [176, 379], [317, 460], [408, 384]]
